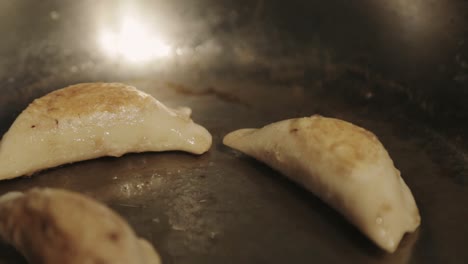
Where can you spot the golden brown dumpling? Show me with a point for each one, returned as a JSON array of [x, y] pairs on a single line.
[[91, 120], [58, 226], [344, 165]]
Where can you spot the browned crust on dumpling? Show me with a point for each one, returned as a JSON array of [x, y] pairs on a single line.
[[88, 98], [350, 143]]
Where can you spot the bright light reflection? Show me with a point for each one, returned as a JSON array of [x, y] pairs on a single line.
[[134, 43]]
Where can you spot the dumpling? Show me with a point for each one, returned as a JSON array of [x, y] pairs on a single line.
[[58, 226], [344, 165], [91, 120]]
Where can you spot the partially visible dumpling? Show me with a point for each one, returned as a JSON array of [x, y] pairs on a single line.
[[92, 120], [344, 165], [59, 226]]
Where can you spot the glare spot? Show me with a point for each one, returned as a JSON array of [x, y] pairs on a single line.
[[134, 42], [54, 15], [379, 220], [179, 51], [74, 69]]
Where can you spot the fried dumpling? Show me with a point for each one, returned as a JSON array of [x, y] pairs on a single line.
[[344, 165], [59, 226], [91, 120]]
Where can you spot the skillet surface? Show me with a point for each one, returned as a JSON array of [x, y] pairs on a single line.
[[398, 70]]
